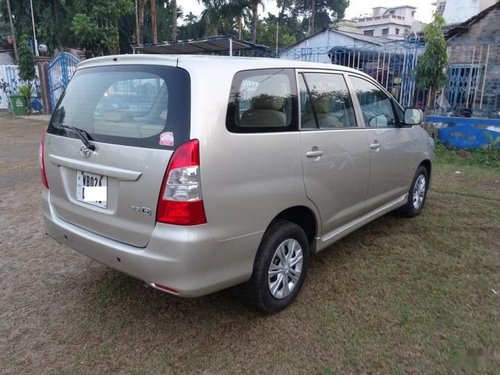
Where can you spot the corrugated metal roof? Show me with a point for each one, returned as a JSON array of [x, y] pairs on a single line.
[[204, 46]]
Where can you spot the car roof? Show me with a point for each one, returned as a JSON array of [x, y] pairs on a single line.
[[230, 63]]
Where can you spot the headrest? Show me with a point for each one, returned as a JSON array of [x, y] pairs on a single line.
[[322, 104], [265, 101]]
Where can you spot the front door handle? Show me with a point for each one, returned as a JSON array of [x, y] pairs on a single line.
[[314, 154], [375, 146]]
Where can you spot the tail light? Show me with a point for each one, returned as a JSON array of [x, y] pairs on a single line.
[[41, 158], [180, 201]]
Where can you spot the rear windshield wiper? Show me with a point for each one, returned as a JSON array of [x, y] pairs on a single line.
[[80, 133]]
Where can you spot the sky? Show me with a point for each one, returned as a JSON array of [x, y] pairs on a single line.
[[356, 8]]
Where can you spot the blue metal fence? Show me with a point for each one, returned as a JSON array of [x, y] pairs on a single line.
[[474, 72], [60, 71]]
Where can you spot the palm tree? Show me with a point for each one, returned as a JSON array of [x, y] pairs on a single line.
[[254, 7], [236, 10], [214, 16]]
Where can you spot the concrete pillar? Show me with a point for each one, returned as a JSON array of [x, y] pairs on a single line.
[[42, 63]]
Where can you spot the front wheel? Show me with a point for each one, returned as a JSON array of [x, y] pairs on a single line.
[[280, 267], [417, 193]]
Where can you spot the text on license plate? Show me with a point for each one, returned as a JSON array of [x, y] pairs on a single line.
[[92, 189]]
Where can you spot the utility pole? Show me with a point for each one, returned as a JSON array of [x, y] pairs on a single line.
[[137, 33], [13, 32], [34, 32]]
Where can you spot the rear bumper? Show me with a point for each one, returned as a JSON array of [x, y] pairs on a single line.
[[187, 259]]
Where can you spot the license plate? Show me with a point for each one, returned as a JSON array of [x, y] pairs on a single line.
[[92, 189]]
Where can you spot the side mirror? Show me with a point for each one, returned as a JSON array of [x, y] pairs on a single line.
[[413, 116]]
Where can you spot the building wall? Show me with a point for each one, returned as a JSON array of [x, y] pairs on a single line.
[[394, 23], [316, 47], [480, 46], [6, 58]]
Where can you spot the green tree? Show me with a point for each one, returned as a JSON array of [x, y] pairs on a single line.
[[95, 24], [316, 14], [27, 70], [277, 32], [432, 65]]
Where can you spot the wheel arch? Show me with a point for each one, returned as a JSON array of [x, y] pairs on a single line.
[[428, 166], [304, 217]]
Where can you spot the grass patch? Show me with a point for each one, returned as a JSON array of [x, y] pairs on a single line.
[[398, 296], [486, 157]]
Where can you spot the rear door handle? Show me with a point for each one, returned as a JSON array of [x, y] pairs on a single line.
[[314, 154], [375, 146]]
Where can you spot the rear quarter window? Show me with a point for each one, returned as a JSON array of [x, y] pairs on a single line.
[[144, 106], [262, 101]]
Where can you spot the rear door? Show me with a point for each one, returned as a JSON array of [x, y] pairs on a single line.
[[135, 116], [335, 153]]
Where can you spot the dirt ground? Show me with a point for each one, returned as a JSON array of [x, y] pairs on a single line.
[[398, 296]]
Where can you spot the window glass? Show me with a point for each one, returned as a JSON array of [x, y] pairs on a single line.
[[130, 105], [325, 101], [376, 106], [261, 100]]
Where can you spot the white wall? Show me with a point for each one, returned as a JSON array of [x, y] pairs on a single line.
[[316, 48]]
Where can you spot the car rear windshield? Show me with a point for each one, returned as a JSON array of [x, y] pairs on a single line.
[[139, 105]]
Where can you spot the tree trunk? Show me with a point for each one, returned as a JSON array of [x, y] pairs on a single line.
[[255, 17], [140, 20], [313, 15], [173, 6], [239, 25], [428, 100], [154, 25], [16, 56]]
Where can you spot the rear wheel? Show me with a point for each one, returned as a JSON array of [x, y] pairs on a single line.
[[417, 193], [280, 267]]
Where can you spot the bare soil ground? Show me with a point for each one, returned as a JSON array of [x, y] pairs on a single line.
[[404, 296]]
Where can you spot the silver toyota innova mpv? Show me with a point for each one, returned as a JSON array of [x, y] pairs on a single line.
[[197, 173]]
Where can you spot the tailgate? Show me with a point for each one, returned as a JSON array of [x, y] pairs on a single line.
[[131, 176], [135, 116]]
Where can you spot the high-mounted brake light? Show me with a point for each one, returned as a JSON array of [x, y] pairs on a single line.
[[180, 200], [41, 158]]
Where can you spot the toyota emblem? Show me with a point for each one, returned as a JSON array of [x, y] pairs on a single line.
[[85, 152]]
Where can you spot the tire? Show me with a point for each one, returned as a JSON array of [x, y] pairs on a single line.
[[416, 194], [283, 253]]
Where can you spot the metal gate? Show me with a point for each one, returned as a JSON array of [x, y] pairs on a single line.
[[9, 76], [60, 71]]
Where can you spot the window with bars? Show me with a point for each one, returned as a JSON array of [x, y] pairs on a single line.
[[464, 81]]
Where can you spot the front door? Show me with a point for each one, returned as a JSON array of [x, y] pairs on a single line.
[[390, 144]]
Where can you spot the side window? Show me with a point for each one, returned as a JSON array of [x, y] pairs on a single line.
[[376, 107], [262, 101], [325, 102]]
